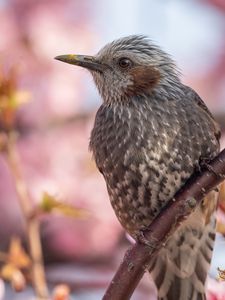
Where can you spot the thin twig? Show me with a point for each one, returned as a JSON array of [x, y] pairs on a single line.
[[32, 224], [138, 257]]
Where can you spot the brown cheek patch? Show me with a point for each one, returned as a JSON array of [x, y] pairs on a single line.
[[144, 79]]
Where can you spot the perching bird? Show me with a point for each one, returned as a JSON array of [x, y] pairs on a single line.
[[151, 133]]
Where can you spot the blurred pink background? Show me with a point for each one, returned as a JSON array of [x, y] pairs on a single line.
[[55, 125]]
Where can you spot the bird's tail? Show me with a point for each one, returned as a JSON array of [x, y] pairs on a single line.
[[180, 268]]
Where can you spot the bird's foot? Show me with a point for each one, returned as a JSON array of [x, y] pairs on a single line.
[[140, 237], [204, 165]]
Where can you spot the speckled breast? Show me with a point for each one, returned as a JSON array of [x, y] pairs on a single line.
[[146, 150]]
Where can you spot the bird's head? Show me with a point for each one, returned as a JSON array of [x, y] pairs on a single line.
[[130, 66]]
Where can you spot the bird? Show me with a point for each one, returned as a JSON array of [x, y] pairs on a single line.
[[150, 134]]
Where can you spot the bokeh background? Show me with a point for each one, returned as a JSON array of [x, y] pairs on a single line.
[[54, 127]]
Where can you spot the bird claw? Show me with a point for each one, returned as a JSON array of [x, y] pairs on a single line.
[[140, 237], [204, 164]]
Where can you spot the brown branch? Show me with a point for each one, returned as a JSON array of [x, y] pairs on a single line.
[[137, 258], [32, 224]]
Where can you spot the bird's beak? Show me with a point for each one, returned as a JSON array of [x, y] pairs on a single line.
[[88, 62]]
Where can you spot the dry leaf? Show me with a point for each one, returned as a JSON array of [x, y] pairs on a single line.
[[10, 98], [7, 271], [18, 281], [222, 196], [16, 260], [220, 227], [12, 274], [221, 275], [17, 255]]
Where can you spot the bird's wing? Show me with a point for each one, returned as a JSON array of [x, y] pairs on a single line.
[[193, 95], [180, 267]]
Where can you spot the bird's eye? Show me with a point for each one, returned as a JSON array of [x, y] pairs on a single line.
[[125, 63]]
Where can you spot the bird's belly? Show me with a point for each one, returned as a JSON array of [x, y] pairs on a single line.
[[133, 213], [139, 188]]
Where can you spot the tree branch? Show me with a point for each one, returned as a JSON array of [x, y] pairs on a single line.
[[32, 224], [137, 258]]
